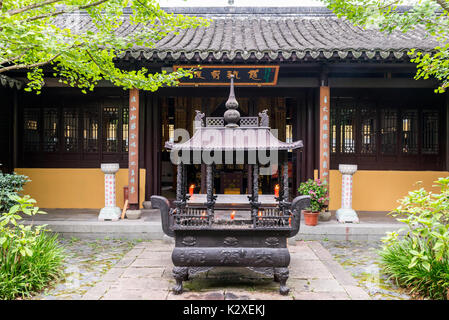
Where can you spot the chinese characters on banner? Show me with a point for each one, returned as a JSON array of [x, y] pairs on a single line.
[[324, 133], [133, 145], [219, 75]]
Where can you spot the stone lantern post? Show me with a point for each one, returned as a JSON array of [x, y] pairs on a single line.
[[110, 211], [346, 213]]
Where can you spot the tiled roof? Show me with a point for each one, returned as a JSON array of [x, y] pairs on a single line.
[[272, 34]]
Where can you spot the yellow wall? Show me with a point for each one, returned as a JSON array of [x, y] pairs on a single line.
[[83, 188], [380, 190], [74, 188]]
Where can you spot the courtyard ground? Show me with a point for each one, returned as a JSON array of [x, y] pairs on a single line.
[[123, 269]]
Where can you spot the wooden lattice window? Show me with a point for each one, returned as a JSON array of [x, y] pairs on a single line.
[[409, 134], [70, 122], [31, 135], [110, 129], [51, 130], [388, 131], [90, 130], [347, 130], [368, 127], [430, 142]]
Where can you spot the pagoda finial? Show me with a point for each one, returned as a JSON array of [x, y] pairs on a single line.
[[232, 115]]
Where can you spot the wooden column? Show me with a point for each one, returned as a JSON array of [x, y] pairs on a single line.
[[133, 149], [298, 127], [324, 129], [310, 143]]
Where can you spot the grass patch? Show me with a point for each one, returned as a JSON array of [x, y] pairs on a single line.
[[430, 282], [21, 276]]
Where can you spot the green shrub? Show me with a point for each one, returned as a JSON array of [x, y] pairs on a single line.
[[30, 258], [10, 184], [420, 260]]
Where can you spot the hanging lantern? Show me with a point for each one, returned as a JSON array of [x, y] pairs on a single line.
[[276, 190], [191, 189]]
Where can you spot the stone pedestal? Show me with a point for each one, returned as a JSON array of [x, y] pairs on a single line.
[[346, 213], [110, 212]]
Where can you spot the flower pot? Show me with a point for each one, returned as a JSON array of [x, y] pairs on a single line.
[[325, 215], [311, 218]]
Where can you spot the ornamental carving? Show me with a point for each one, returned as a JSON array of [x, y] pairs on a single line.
[[193, 257], [189, 241], [230, 242], [272, 242], [232, 256], [264, 258]]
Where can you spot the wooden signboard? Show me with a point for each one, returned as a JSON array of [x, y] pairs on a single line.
[[133, 172], [324, 133], [220, 75]]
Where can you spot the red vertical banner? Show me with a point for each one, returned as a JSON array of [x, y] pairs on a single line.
[[324, 132], [133, 148]]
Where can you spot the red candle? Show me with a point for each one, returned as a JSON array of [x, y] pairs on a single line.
[[276, 190], [260, 215], [191, 188], [232, 215]]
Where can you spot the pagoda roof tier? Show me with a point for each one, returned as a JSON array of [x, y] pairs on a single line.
[[233, 139]]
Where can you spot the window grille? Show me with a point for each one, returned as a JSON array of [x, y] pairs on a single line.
[[31, 136], [70, 118], [409, 133], [388, 131], [430, 142], [90, 131], [347, 130], [51, 127], [368, 130], [110, 126]]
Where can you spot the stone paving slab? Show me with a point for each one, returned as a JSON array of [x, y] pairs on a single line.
[[144, 273]]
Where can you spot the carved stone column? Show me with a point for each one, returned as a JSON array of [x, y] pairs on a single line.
[[346, 213], [110, 211]]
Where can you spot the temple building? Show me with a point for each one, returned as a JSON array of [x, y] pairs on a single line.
[[349, 94]]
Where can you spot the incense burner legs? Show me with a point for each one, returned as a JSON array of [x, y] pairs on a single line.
[[281, 276], [180, 274]]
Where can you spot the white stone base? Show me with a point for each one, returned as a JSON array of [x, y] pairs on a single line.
[[347, 215], [110, 213]]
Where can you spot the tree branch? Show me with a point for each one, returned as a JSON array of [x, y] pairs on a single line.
[[29, 66], [31, 6], [12, 59], [57, 13]]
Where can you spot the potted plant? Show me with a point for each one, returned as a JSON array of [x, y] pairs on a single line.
[[317, 190]]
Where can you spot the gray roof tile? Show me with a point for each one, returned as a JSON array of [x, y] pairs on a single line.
[[299, 31]]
